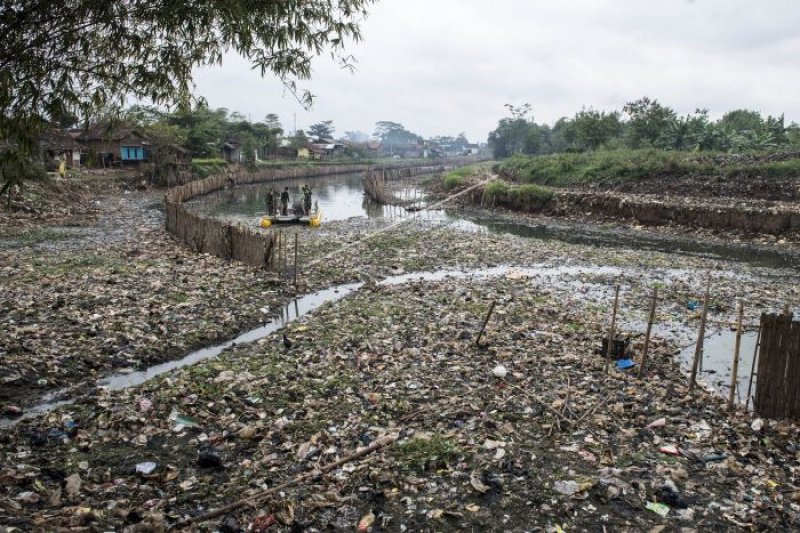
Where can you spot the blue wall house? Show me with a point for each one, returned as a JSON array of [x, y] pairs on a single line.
[[114, 146]]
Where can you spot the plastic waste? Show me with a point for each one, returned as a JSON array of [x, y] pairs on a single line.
[[146, 468], [658, 508], [567, 488], [500, 371], [624, 364]]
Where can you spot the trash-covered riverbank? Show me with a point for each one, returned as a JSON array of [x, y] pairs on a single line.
[[112, 291], [526, 431]]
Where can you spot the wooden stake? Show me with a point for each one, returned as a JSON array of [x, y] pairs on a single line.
[[280, 252], [737, 346], [650, 321], [698, 349], [752, 370], [295, 260], [486, 321], [611, 330]]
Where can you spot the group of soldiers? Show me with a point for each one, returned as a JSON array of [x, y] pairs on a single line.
[[285, 201]]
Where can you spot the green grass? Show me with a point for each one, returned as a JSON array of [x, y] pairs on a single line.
[[29, 237], [631, 165], [427, 453], [525, 197]]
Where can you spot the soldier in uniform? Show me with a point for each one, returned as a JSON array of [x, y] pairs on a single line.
[[307, 199], [285, 201], [270, 202]]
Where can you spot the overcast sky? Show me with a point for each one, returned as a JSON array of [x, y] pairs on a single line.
[[441, 67]]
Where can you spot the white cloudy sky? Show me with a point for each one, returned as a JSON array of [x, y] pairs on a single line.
[[446, 66]]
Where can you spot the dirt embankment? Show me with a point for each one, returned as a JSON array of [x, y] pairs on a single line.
[[741, 205], [656, 210], [745, 177]]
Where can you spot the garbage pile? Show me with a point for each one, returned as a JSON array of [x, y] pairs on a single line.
[[527, 430]]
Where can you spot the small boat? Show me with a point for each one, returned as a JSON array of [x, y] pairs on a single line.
[[313, 219]]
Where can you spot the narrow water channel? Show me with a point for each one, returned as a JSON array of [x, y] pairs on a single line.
[[717, 354]]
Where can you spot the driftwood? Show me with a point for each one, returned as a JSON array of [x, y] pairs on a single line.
[[380, 442]]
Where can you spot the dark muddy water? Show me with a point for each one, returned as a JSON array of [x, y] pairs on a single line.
[[341, 197]]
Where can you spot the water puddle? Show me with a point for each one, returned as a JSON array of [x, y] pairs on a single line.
[[289, 313], [716, 364]]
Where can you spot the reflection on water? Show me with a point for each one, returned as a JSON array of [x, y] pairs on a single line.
[[340, 197]]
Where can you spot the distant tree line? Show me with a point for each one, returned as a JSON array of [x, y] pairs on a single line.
[[203, 131], [644, 123]]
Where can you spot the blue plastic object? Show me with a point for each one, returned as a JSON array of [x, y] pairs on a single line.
[[624, 364]]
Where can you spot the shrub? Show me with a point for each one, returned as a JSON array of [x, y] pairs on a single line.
[[497, 188], [452, 181]]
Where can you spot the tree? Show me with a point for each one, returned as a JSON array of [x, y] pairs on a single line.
[[322, 130], [592, 129], [687, 133], [88, 54], [394, 134], [515, 135], [647, 119], [273, 121], [204, 129], [741, 120]]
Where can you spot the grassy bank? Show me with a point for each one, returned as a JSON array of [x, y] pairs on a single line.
[[526, 197], [632, 165]]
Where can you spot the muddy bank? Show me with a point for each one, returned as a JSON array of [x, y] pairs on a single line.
[[735, 216], [741, 217]]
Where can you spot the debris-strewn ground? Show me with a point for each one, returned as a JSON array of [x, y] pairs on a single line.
[[528, 431], [111, 290]]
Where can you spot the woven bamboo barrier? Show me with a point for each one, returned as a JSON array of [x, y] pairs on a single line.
[[375, 181], [778, 383], [228, 241]]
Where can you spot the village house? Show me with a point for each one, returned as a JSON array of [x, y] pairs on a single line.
[[58, 145], [109, 146], [328, 150], [232, 152]]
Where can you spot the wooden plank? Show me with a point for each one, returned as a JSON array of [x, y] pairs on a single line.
[[793, 383]]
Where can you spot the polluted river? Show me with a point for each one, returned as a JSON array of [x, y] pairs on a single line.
[[344, 205], [400, 369]]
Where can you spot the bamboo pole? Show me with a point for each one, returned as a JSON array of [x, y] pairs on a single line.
[[611, 330], [295, 260], [485, 322], [650, 320], [698, 349], [752, 370], [737, 347]]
